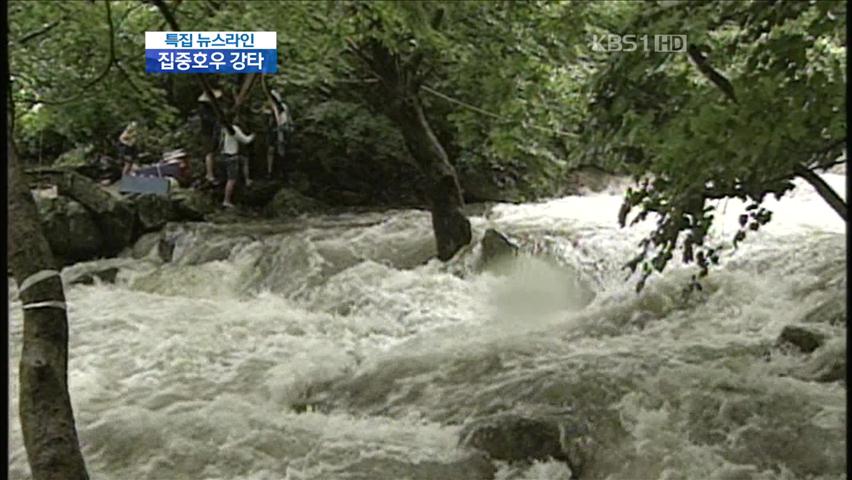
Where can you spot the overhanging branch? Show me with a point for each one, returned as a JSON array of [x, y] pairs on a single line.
[[824, 189], [711, 73]]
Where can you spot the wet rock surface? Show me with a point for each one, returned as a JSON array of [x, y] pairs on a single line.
[[515, 437], [106, 275], [70, 229], [496, 246], [288, 202], [155, 211], [804, 339]]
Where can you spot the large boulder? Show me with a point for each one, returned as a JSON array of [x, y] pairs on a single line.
[[288, 202], [514, 437], [193, 204], [70, 229], [154, 211], [496, 246], [114, 215]]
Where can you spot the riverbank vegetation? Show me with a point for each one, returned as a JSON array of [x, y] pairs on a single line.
[[507, 98]]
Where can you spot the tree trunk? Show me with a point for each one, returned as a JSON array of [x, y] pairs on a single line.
[[452, 229], [47, 419], [823, 189], [398, 98]]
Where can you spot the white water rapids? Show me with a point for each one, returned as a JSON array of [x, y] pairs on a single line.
[[327, 349]]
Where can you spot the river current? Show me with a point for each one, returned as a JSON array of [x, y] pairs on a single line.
[[333, 347]]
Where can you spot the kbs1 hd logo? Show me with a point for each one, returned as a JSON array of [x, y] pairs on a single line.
[[211, 52], [633, 43]]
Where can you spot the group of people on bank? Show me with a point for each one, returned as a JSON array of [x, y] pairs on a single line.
[[222, 145]]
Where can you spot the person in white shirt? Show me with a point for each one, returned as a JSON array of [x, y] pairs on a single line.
[[233, 160]]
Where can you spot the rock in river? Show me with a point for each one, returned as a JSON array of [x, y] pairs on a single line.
[[495, 246], [513, 437]]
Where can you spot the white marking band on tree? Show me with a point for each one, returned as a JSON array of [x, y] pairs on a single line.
[[39, 276], [46, 304]]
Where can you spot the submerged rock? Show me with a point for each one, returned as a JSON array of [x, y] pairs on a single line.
[[496, 246], [166, 249], [513, 437], [106, 275], [832, 371], [828, 364], [475, 466], [804, 339], [145, 244]]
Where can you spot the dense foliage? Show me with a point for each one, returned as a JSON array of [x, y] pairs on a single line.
[[509, 61], [514, 92], [756, 101]]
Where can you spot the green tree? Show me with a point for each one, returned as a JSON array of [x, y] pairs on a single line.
[[90, 91], [394, 56], [756, 101]]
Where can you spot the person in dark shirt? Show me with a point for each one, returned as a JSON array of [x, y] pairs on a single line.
[[279, 128], [210, 131]]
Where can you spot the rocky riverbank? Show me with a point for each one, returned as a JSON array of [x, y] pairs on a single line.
[[84, 220]]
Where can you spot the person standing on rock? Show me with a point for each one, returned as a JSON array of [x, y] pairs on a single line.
[[127, 147], [279, 128], [233, 160], [209, 131]]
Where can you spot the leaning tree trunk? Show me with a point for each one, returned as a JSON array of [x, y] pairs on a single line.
[[47, 419], [452, 229], [398, 98], [824, 190]]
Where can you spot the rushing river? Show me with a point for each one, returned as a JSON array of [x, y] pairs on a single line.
[[334, 348]]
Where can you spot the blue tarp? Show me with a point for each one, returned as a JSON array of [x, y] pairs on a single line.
[[144, 184]]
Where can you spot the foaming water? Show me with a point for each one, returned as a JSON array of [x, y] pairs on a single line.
[[338, 348]]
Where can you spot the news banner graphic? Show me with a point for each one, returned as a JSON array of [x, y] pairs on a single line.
[[211, 52], [645, 43]]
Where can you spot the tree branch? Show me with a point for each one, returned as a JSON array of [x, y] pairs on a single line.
[[824, 190], [711, 73], [42, 31], [170, 19], [86, 89]]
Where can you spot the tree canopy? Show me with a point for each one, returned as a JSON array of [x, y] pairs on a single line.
[[756, 101], [511, 88]]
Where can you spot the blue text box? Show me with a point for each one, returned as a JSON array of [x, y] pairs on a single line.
[[211, 61]]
